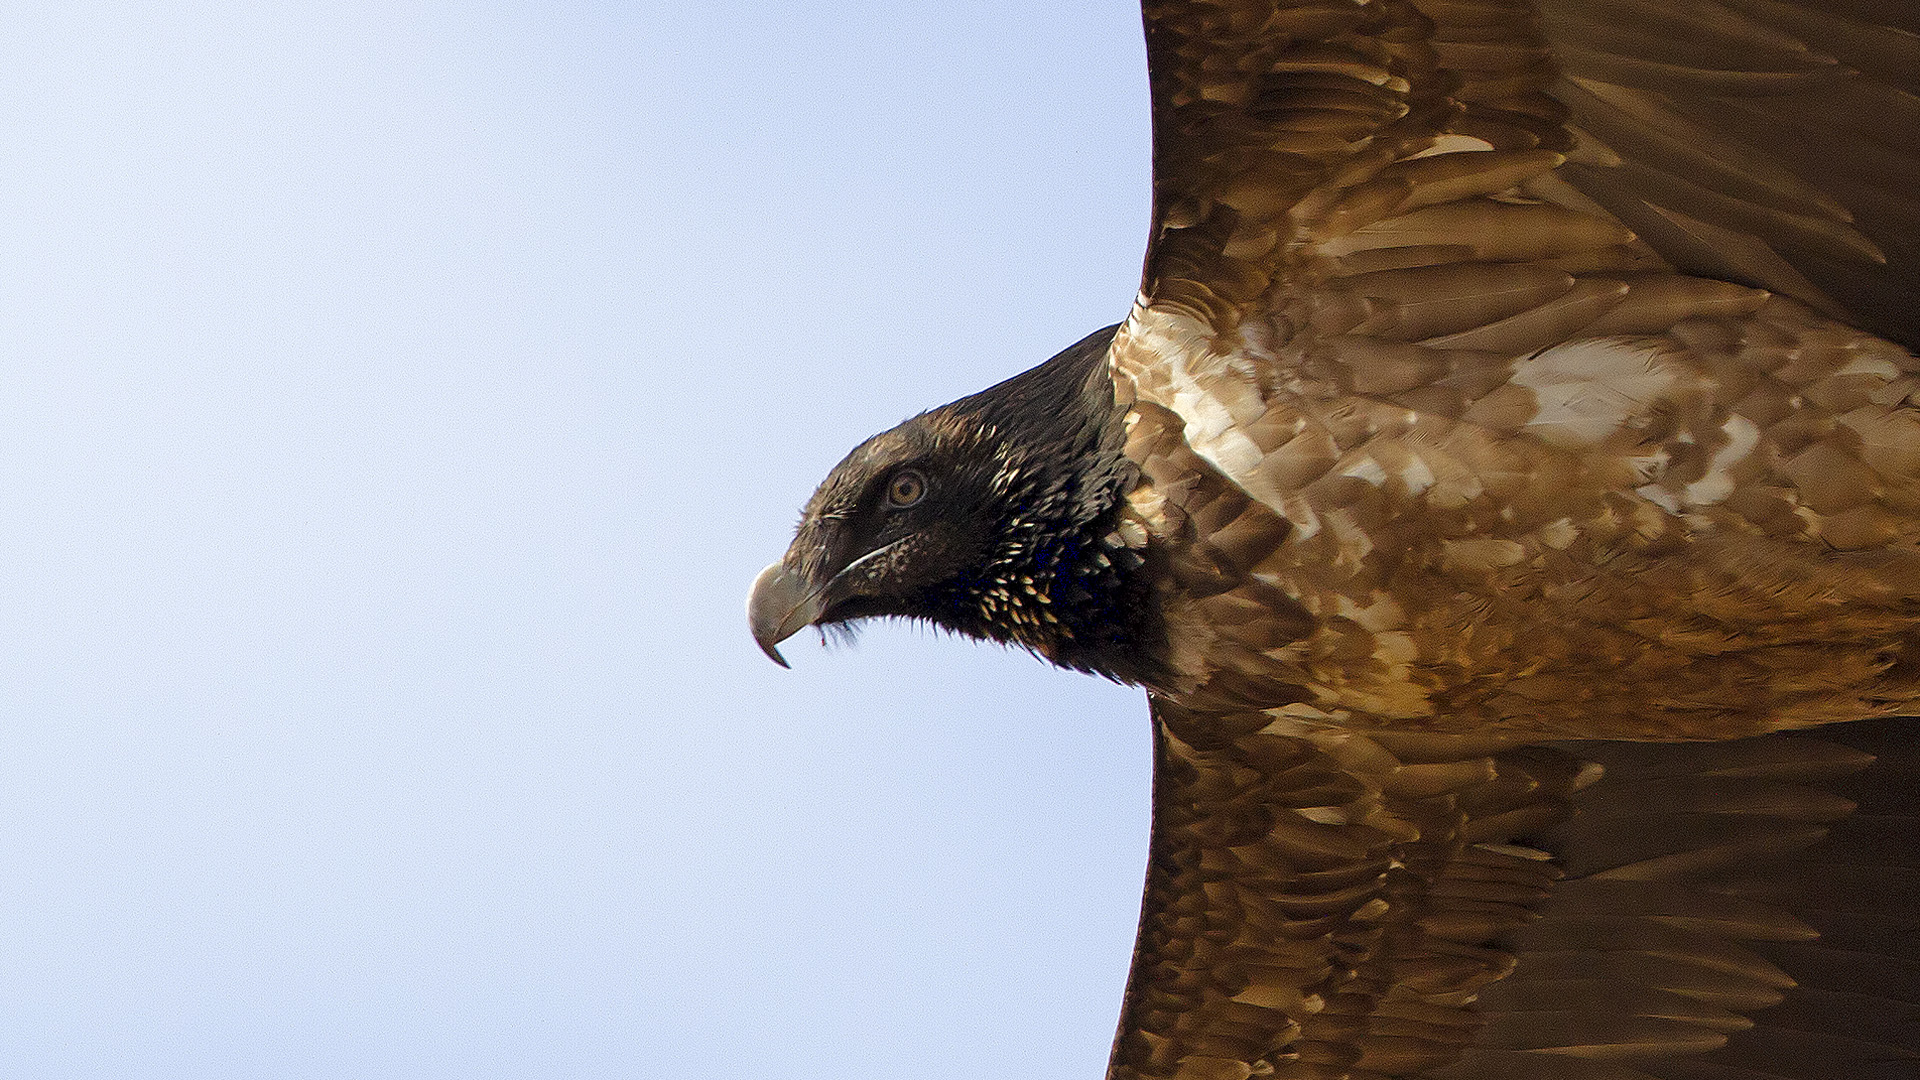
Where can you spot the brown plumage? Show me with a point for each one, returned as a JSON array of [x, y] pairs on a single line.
[[1497, 467]]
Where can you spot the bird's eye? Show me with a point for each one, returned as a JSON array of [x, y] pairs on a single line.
[[906, 488]]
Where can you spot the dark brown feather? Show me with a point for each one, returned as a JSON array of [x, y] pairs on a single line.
[[1364, 936]]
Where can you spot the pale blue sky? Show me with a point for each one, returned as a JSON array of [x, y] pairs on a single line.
[[395, 402]]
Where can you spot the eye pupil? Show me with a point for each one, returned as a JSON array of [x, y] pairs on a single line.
[[906, 488]]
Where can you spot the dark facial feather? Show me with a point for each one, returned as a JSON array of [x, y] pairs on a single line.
[[1015, 537]]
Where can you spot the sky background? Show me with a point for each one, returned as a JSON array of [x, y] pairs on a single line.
[[396, 401]]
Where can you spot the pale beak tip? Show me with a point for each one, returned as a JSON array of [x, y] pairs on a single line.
[[778, 605]]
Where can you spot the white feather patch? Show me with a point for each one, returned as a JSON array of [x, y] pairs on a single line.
[[1366, 468], [1452, 144], [1417, 475], [1587, 390], [1215, 393]]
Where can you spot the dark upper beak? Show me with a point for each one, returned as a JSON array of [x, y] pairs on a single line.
[[780, 603]]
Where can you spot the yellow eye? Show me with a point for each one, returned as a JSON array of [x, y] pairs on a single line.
[[906, 488]]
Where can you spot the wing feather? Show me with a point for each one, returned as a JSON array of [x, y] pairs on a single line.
[[1795, 126], [1760, 142], [1327, 905]]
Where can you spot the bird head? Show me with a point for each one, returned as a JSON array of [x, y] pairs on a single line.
[[995, 516]]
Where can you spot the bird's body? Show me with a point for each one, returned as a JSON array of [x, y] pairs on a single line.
[[1698, 530], [1496, 416]]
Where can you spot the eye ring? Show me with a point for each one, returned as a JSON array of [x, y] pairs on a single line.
[[906, 488]]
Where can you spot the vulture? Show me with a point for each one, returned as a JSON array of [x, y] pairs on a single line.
[[1506, 488]]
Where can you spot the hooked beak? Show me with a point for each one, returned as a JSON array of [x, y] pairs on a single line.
[[779, 604], [782, 601]]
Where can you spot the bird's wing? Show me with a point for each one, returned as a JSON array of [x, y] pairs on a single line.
[[1345, 906], [1756, 141]]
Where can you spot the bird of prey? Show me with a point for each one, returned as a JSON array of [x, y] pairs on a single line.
[[1506, 488]]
